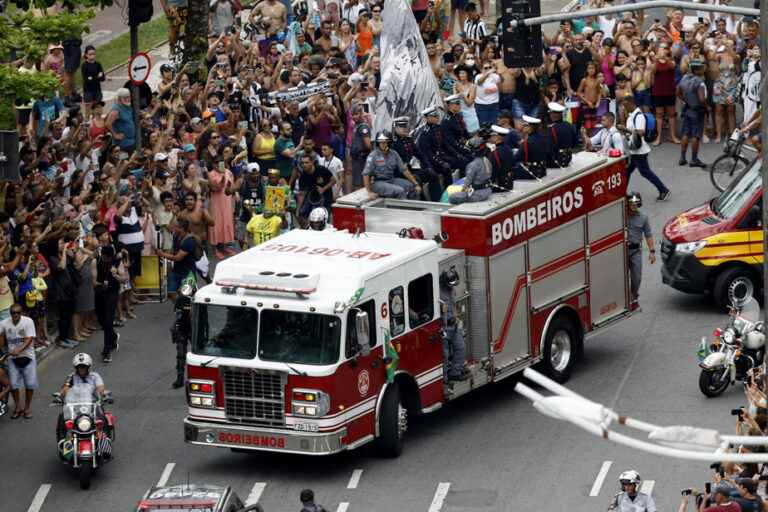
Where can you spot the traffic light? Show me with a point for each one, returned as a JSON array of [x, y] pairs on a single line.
[[139, 11], [522, 45]]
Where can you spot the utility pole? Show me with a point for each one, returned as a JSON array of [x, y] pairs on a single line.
[[134, 87], [764, 133]]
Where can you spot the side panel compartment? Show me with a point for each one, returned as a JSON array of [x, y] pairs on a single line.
[[478, 344], [557, 262], [607, 276], [509, 310]]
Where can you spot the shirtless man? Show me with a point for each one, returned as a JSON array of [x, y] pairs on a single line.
[[199, 218], [274, 14], [507, 85], [627, 35]]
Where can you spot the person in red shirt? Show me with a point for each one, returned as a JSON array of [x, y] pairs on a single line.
[[723, 501]]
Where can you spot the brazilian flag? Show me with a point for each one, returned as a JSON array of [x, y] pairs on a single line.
[[392, 357]]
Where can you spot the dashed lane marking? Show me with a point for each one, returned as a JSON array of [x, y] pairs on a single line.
[[256, 491], [440, 493], [600, 478], [39, 499], [343, 506], [355, 479], [647, 486], [166, 474]]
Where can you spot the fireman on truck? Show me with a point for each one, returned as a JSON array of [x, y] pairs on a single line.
[[381, 169], [638, 227], [477, 182], [531, 159], [454, 348]]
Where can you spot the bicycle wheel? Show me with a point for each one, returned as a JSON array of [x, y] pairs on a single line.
[[725, 169]]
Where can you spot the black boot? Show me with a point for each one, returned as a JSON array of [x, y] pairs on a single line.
[[178, 383]]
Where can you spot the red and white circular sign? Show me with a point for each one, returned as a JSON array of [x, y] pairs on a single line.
[[139, 67], [363, 382]]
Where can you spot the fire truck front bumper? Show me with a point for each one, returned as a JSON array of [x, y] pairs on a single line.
[[247, 437]]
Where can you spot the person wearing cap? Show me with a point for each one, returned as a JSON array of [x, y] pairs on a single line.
[[721, 497], [381, 170], [455, 134], [360, 149], [507, 120], [501, 157], [531, 159], [404, 145], [692, 91], [477, 182], [433, 162], [562, 137], [638, 156], [120, 121]]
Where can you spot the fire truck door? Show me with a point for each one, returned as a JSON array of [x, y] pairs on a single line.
[[607, 262], [509, 306]]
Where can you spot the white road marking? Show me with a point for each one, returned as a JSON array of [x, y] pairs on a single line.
[[166, 474], [440, 494], [343, 506], [355, 479], [255, 495], [37, 501], [600, 478], [647, 487]]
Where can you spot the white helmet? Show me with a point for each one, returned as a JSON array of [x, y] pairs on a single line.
[[630, 477], [253, 167], [82, 359], [317, 219]]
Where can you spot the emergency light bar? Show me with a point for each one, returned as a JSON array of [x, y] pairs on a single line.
[[268, 281]]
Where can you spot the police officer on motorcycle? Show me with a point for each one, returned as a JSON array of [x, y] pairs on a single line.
[[181, 332], [455, 135], [638, 228], [630, 499], [477, 182], [381, 169], [82, 363]]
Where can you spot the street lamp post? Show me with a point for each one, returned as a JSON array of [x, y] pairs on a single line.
[[764, 133]]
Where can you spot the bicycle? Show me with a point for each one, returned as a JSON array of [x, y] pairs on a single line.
[[731, 163]]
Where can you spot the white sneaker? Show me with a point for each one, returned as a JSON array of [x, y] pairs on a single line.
[[705, 139], [117, 342]]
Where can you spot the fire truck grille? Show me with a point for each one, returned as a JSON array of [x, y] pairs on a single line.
[[254, 397]]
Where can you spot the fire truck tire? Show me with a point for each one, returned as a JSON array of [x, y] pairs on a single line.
[[562, 346], [391, 424], [727, 281]]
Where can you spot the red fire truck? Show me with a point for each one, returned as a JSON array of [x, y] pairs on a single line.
[[293, 338]]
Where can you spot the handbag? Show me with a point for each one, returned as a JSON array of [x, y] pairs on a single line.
[[21, 362]]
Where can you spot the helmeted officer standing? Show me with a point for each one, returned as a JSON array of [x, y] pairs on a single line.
[[380, 173], [454, 348], [429, 143], [477, 182], [638, 227], [692, 90], [562, 137], [404, 145], [455, 135], [531, 159]]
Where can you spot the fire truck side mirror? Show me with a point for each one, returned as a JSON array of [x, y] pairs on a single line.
[[362, 330]]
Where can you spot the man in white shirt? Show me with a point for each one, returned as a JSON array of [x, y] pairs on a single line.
[[331, 162], [638, 156], [19, 333], [487, 98], [607, 138]]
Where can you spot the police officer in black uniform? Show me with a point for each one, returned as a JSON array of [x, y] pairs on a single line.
[[531, 159], [429, 144], [404, 145], [562, 137], [501, 157], [455, 135]]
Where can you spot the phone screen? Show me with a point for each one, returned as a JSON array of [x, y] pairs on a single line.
[[242, 125], [221, 166]]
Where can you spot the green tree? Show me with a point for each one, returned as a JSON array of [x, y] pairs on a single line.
[[195, 39], [20, 88]]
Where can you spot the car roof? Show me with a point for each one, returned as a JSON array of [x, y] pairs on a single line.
[[199, 495]]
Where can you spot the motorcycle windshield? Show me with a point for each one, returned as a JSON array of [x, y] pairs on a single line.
[[751, 311], [80, 399]]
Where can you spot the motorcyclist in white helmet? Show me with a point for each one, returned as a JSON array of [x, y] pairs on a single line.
[[82, 363], [630, 499], [318, 220]]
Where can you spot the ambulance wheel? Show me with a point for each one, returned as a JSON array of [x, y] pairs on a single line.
[[730, 280], [561, 348], [393, 422]]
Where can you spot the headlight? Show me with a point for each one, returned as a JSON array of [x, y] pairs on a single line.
[[690, 247], [310, 402], [84, 424], [728, 336]]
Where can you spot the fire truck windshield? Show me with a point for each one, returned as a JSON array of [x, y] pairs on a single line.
[[224, 331], [731, 201], [303, 338]]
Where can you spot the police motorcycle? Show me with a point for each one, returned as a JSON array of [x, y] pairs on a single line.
[[89, 431], [737, 348], [181, 331]]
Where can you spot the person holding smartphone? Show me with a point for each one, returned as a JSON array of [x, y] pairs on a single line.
[[221, 235]]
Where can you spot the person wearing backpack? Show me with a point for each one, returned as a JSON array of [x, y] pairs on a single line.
[[187, 251], [693, 92], [307, 498], [638, 147]]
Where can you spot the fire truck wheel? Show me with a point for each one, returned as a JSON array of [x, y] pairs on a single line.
[[727, 281], [561, 348], [393, 421]]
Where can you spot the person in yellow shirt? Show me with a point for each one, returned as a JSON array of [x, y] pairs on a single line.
[[264, 226]]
